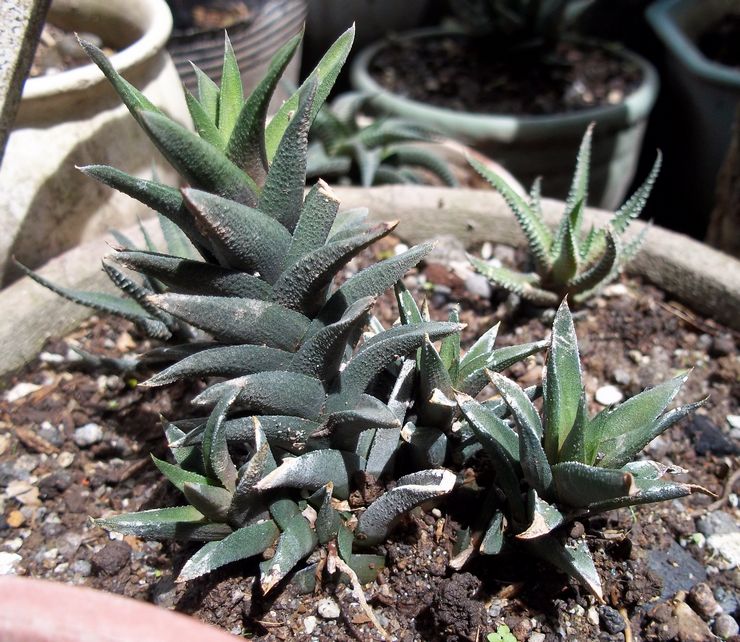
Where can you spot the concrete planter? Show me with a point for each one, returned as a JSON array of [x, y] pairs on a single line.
[[708, 281], [75, 118], [703, 96], [43, 611], [531, 146]]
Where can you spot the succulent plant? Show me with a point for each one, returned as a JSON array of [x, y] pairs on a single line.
[[565, 263], [564, 464], [340, 147]]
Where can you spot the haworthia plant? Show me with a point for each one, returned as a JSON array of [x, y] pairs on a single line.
[[566, 263], [342, 148], [563, 463]]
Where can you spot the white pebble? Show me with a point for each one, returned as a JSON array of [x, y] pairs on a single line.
[[486, 250], [734, 421], [608, 395], [592, 615], [400, 248], [328, 609], [8, 562], [88, 435], [20, 390], [309, 623], [65, 459]]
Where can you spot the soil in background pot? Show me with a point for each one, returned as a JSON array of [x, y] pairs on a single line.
[[58, 51], [464, 74], [721, 41]]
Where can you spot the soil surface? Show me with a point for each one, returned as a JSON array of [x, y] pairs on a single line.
[[197, 15], [75, 443], [721, 41], [461, 73], [58, 51]]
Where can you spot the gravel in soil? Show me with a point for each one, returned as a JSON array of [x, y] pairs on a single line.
[[75, 443], [462, 74]]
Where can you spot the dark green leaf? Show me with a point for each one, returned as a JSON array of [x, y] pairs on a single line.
[[317, 216], [297, 541], [230, 96], [181, 522]]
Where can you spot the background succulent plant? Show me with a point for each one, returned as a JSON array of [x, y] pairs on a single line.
[[379, 152], [563, 464], [566, 263]]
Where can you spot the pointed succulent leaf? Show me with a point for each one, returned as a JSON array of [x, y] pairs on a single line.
[[177, 243], [573, 560], [493, 539], [182, 455], [601, 271], [449, 350], [401, 396], [178, 476], [562, 382], [433, 374], [203, 124], [316, 219], [241, 544], [579, 186], [242, 238], [647, 469], [487, 424], [477, 356], [543, 517], [212, 501], [631, 421], [207, 94], [574, 446], [634, 205], [282, 195], [297, 286], [237, 320], [536, 232], [216, 458], [246, 502], [312, 470], [103, 302], [246, 146], [521, 406], [194, 277], [199, 162], [366, 566], [372, 281], [130, 96], [416, 156], [382, 451], [412, 490], [326, 73], [381, 350], [328, 520], [649, 491], [180, 522], [407, 308], [284, 393], [579, 485], [296, 542], [165, 200], [348, 220], [565, 253], [230, 96], [525, 285]]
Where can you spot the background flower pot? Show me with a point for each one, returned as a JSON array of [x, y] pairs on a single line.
[[255, 39], [42, 611], [531, 146], [75, 118], [702, 95]]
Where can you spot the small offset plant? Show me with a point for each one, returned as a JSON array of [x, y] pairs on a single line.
[[564, 464], [301, 407], [380, 152], [567, 263]]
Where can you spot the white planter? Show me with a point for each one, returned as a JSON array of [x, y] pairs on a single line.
[[75, 118]]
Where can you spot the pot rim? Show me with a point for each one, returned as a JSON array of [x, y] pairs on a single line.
[[664, 18], [156, 20], [507, 127]]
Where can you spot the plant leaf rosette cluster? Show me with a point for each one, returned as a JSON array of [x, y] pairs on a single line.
[[303, 406]]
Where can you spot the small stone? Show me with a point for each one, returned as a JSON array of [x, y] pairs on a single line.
[[716, 523], [622, 376], [164, 593], [24, 492], [725, 626], [611, 620], [691, 628], [8, 562], [733, 420], [722, 346], [111, 558], [61, 567], [727, 546], [592, 615], [486, 250], [709, 438], [328, 609], [52, 485], [608, 395], [65, 459], [615, 290], [4, 442], [478, 284], [88, 435], [20, 390], [83, 568], [701, 599], [14, 544], [400, 248], [15, 519], [536, 637], [310, 623]]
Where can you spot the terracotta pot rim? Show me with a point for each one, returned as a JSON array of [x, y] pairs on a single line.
[[154, 19]]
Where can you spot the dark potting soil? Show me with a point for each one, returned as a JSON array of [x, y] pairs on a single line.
[[58, 51], [721, 41], [200, 15], [465, 74], [53, 477]]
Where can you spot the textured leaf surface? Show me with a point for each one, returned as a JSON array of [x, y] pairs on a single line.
[[230, 93], [543, 517], [412, 490], [574, 560], [317, 217], [297, 541], [181, 522], [212, 501], [493, 539], [579, 485], [177, 476], [241, 544]]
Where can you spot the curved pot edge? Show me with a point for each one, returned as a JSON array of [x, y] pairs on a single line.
[[637, 105], [37, 610], [705, 278]]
